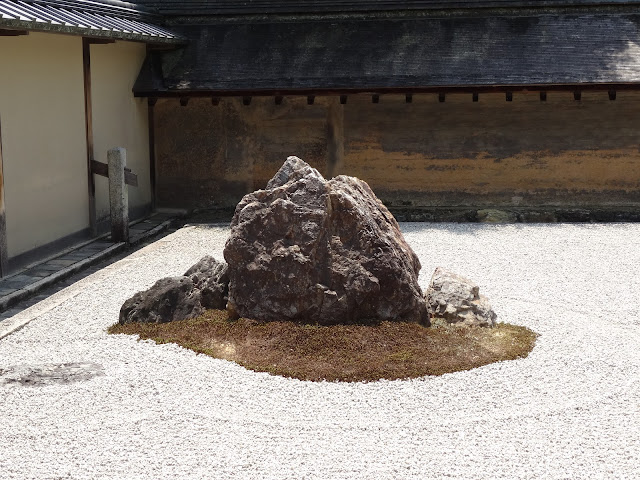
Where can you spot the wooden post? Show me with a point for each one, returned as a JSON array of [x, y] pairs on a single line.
[[335, 137], [151, 103], [118, 198], [86, 68], [3, 222]]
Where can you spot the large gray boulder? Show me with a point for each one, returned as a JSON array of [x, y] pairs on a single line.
[[457, 300], [311, 250], [204, 286]]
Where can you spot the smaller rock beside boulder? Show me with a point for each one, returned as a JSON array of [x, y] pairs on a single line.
[[457, 300], [204, 286], [169, 299], [212, 279]]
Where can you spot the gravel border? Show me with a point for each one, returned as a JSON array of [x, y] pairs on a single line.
[[569, 410]]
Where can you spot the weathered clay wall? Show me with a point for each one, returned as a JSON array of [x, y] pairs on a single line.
[[493, 152], [212, 155], [561, 152]]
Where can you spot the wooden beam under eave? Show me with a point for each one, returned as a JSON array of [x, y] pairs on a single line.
[[88, 113], [12, 33], [151, 125], [3, 222], [100, 41], [413, 90]]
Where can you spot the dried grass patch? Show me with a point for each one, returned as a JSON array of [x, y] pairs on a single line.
[[348, 353]]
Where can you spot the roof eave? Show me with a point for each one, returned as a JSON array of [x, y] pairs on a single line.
[[320, 91], [12, 24]]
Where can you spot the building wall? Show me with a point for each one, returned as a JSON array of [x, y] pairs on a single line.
[[119, 119], [43, 134], [212, 155], [43, 139], [561, 152]]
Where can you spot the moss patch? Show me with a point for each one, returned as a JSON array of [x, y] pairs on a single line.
[[349, 353]]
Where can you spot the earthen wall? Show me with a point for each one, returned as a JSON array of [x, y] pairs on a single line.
[[490, 153]]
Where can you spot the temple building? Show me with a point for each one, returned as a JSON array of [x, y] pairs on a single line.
[[445, 108], [67, 69], [449, 106]]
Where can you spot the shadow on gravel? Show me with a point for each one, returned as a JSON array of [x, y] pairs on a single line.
[[51, 374], [61, 285]]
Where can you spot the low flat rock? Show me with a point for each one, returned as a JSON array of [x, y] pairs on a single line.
[[457, 300], [168, 300], [204, 286], [320, 251]]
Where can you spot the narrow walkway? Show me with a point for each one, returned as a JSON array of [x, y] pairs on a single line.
[[30, 280]]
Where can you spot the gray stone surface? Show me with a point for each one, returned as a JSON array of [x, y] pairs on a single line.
[[203, 286], [118, 195], [490, 215], [211, 278], [457, 300], [328, 252], [53, 270], [168, 300]]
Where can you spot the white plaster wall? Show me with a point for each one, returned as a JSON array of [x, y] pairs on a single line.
[[43, 139], [119, 119]]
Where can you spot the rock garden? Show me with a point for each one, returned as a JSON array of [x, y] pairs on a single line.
[[319, 283]]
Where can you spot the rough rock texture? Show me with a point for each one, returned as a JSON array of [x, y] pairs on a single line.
[[311, 250], [169, 299], [457, 300], [204, 286], [211, 278]]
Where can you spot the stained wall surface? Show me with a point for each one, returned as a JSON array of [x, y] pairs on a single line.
[[212, 155], [527, 152], [43, 139]]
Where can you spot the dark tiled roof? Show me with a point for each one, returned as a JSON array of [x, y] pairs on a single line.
[[399, 53], [225, 7], [109, 18]]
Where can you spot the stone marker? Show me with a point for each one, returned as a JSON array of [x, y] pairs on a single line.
[[458, 300], [203, 286], [118, 198], [321, 251]]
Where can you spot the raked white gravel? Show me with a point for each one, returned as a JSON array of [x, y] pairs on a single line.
[[570, 410]]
